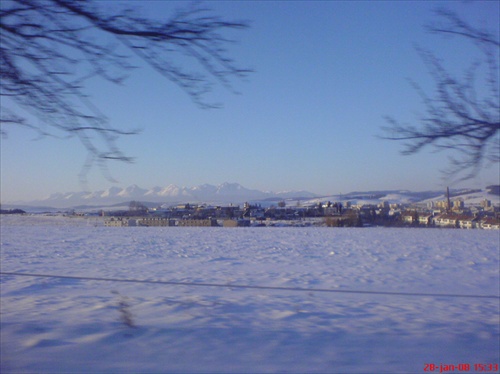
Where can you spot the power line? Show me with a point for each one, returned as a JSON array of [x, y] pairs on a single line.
[[241, 286]]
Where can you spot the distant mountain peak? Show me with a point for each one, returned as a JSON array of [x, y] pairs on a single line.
[[227, 192]]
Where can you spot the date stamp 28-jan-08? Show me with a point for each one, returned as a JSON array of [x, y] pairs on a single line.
[[461, 368]]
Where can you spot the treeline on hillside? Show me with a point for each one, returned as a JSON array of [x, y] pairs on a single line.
[[494, 190], [12, 211]]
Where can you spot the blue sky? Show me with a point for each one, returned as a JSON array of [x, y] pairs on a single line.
[[326, 74]]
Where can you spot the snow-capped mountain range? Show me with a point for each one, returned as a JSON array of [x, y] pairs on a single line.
[[235, 193], [223, 193]]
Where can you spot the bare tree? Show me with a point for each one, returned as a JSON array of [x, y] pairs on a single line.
[[462, 114], [50, 48]]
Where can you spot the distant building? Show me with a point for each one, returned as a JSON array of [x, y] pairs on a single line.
[[384, 205], [236, 223], [455, 220], [443, 204], [116, 222], [409, 217], [467, 222], [486, 203], [490, 223], [446, 220], [458, 204], [155, 221], [425, 219], [198, 222]]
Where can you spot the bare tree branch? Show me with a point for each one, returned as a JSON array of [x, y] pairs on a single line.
[[50, 48], [457, 117], [454, 25]]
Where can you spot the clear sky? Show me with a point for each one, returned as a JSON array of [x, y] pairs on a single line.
[[326, 74]]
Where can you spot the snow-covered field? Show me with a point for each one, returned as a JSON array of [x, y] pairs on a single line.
[[53, 325]]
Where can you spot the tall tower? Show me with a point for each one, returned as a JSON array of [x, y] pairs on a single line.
[[448, 205]]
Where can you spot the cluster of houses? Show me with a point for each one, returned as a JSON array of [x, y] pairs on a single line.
[[454, 214], [158, 221], [463, 221], [206, 215], [436, 214]]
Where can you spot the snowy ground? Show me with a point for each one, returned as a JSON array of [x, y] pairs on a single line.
[[55, 325]]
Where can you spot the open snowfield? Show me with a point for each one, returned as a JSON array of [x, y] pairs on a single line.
[[69, 325]]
